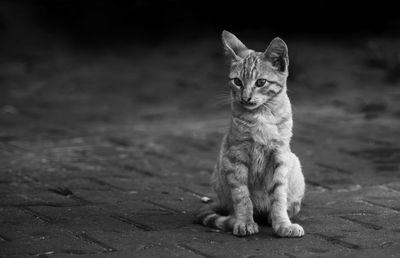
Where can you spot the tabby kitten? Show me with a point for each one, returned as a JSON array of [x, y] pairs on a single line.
[[257, 175]]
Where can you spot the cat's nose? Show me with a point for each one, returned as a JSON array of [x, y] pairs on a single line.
[[246, 99]]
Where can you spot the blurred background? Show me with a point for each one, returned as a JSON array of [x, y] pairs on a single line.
[[76, 69], [169, 52]]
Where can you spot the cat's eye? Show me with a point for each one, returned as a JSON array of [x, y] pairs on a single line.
[[260, 82], [237, 82]]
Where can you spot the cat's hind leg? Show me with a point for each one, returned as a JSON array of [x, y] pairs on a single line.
[[294, 209], [296, 186]]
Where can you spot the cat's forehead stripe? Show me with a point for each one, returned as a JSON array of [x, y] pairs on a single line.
[[250, 67], [253, 67]]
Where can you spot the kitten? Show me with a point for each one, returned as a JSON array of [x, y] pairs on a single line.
[[256, 174]]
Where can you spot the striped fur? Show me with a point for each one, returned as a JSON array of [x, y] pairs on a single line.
[[256, 172], [209, 216]]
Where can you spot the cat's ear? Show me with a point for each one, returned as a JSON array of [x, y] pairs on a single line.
[[277, 54], [233, 47]]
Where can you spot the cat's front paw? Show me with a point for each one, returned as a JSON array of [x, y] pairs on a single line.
[[290, 230], [243, 228]]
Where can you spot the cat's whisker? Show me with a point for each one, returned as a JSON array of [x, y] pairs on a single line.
[[267, 104], [223, 96], [222, 103]]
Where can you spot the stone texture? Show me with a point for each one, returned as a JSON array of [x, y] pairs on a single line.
[[111, 156]]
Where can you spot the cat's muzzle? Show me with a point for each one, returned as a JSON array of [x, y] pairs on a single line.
[[248, 103]]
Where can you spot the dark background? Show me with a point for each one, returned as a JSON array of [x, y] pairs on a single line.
[[101, 23], [127, 56], [55, 53]]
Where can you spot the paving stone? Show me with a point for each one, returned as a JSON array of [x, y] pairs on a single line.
[[120, 171]]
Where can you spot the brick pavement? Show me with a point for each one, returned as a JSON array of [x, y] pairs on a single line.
[[86, 182]]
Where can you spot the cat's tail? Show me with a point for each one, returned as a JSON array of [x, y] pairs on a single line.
[[209, 216]]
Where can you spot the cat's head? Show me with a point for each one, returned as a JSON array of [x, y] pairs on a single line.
[[256, 78]]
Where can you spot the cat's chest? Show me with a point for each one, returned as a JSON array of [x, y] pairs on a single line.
[[265, 132], [266, 138], [261, 162]]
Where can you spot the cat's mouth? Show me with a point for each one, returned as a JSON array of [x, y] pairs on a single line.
[[249, 105]]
